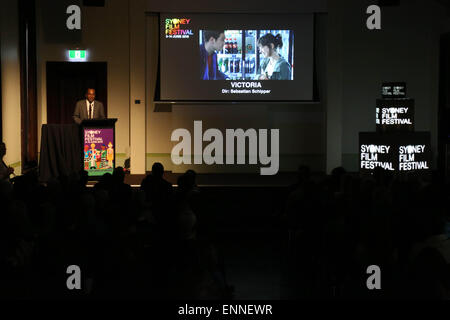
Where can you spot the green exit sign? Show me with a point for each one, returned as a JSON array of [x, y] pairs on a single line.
[[77, 54]]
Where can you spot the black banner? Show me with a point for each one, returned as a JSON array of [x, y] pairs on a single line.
[[403, 152]]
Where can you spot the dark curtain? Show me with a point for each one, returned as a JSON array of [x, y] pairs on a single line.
[[60, 151], [28, 84], [67, 83]]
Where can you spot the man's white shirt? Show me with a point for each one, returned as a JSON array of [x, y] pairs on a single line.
[[88, 110]]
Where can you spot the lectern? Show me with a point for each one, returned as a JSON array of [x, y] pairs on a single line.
[[99, 146]]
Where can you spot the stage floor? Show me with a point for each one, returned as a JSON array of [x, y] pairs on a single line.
[[281, 179]]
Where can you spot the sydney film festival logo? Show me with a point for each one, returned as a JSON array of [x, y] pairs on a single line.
[[176, 28]]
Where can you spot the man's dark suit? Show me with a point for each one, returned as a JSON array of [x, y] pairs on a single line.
[[81, 112]]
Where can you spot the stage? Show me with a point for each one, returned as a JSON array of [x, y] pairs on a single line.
[[282, 179]]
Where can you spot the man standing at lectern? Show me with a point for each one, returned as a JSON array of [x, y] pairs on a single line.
[[89, 108]]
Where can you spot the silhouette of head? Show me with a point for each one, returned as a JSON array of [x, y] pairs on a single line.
[[183, 183], [157, 170], [118, 175], [2, 149], [190, 177], [303, 173]]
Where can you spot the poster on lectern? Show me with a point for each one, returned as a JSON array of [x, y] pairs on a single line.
[[98, 151]]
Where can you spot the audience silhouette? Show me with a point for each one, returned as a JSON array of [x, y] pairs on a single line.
[[154, 242]]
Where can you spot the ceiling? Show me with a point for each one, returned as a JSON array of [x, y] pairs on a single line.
[[445, 4]]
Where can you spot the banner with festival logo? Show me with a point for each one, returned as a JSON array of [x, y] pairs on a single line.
[[396, 151], [98, 151]]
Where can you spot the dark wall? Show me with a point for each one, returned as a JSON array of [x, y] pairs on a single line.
[[444, 106], [248, 6], [1, 89], [52, 30]]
